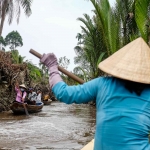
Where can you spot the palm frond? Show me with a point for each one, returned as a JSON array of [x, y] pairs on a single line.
[[141, 17]]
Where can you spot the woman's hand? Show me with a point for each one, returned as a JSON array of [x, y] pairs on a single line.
[[17, 84], [23, 100], [49, 60]]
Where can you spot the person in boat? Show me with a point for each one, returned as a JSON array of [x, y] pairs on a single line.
[[46, 97], [122, 97], [32, 97], [39, 96], [21, 92]]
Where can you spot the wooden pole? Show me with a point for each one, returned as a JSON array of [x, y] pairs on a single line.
[[69, 74]]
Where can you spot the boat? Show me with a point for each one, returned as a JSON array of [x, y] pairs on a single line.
[[47, 102], [18, 108], [89, 146]]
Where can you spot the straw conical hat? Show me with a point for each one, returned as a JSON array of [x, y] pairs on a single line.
[[22, 85], [132, 62]]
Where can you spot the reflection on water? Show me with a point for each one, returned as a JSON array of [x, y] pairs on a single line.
[[58, 127]]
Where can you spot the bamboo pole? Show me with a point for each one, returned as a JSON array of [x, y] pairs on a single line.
[[69, 74]]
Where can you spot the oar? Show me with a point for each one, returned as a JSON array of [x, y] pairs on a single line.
[[69, 74], [25, 108]]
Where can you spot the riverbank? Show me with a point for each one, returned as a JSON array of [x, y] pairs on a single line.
[[57, 126]]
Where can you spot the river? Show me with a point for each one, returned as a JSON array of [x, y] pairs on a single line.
[[57, 127]]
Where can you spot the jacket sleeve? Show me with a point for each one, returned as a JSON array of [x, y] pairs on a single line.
[[24, 95], [76, 94], [16, 89]]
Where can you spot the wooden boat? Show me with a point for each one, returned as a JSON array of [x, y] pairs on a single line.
[[18, 108], [48, 102], [89, 146]]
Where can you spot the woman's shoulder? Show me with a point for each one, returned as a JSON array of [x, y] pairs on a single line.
[[106, 79], [109, 80]]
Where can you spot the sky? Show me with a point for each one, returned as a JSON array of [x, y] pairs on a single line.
[[52, 27]]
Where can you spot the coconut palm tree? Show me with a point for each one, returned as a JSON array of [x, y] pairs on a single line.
[[102, 35], [79, 37], [11, 7], [88, 56], [108, 24], [134, 19], [110, 29], [142, 18]]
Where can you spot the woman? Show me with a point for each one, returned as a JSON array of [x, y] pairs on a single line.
[[32, 97], [122, 99], [21, 92], [38, 98]]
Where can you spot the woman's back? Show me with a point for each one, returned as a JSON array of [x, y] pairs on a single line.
[[123, 118]]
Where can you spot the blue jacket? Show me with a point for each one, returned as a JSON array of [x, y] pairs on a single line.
[[122, 117]]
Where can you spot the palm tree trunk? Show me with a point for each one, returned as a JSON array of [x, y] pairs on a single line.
[[3, 17], [1, 25]]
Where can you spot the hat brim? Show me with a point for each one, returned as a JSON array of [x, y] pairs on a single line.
[[132, 62], [22, 86]]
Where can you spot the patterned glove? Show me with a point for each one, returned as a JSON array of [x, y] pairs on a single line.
[[50, 61]]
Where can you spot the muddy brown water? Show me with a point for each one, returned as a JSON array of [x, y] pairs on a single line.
[[57, 127]]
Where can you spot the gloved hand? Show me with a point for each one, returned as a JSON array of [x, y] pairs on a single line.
[[50, 61]]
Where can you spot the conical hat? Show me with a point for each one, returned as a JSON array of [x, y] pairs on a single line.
[[132, 62], [22, 85]]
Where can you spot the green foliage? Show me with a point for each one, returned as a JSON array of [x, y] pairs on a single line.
[[34, 72], [64, 62], [79, 37], [100, 58], [44, 74], [80, 72], [90, 48], [13, 39], [108, 30], [142, 12], [108, 24], [17, 59]]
